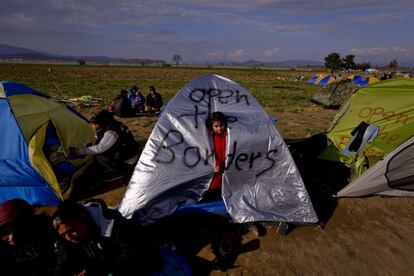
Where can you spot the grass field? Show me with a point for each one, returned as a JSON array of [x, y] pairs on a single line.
[[105, 82], [277, 91]]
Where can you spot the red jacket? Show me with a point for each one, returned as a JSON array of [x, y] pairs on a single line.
[[219, 144]]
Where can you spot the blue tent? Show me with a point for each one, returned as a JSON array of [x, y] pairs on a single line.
[[364, 80], [32, 123]]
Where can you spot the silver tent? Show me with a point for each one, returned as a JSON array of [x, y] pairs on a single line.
[[261, 181], [391, 176]]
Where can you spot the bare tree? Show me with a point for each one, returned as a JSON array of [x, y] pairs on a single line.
[[177, 59]]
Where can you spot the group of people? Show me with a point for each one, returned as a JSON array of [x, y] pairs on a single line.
[[115, 151], [78, 239], [129, 103], [89, 238]]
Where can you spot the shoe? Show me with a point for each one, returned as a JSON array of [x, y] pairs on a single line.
[[283, 228]]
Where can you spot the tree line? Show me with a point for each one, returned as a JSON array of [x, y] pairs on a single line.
[[333, 62]]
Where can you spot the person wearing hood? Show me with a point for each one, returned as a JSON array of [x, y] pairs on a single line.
[[27, 240], [97, 240], [137, 100]]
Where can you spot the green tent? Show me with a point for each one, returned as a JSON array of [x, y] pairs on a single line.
[[373, 133], [334, 95]]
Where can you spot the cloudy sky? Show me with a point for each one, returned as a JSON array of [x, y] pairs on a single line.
[[213, 30]]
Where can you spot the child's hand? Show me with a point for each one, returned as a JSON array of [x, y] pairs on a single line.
[[218, 168]]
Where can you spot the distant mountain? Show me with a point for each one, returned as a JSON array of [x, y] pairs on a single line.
[[252, 62], [284, 63], [12, 52], [299, 62]]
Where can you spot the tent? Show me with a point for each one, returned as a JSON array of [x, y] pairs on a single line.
[[317, 77], [372, 71], [373, 133], [261, 181], [364, 80], [322, 79], [333, 95], [36, 134], [326, 80]]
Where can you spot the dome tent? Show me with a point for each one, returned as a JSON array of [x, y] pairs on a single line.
[[260, 182], [373, 133], [33, 127], [334, 95]]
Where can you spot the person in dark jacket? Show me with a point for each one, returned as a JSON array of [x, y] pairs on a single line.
[[120, 105], [114, 149], [96, 240], [154, 100], [26, 240], [137, 101]]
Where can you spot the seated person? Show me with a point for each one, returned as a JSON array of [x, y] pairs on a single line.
[[26, 240], [114, 149], [154, 100], [96, 240], [136, 99], [120, 105]]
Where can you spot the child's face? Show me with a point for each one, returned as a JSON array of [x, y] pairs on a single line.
[[218, 127]]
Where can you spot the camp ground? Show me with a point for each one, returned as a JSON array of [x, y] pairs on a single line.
[[373, 134], [36, 134], [261, 181], [370, 235]]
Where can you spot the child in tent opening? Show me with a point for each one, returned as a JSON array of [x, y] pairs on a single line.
[[217, 125]]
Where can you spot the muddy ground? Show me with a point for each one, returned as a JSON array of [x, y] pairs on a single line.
[[356, 236]]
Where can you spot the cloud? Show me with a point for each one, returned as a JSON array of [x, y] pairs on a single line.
[[304, 6], [385, 54], [236, 55], [271, 53], [375, 18], [327, 6], [211, 29]]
